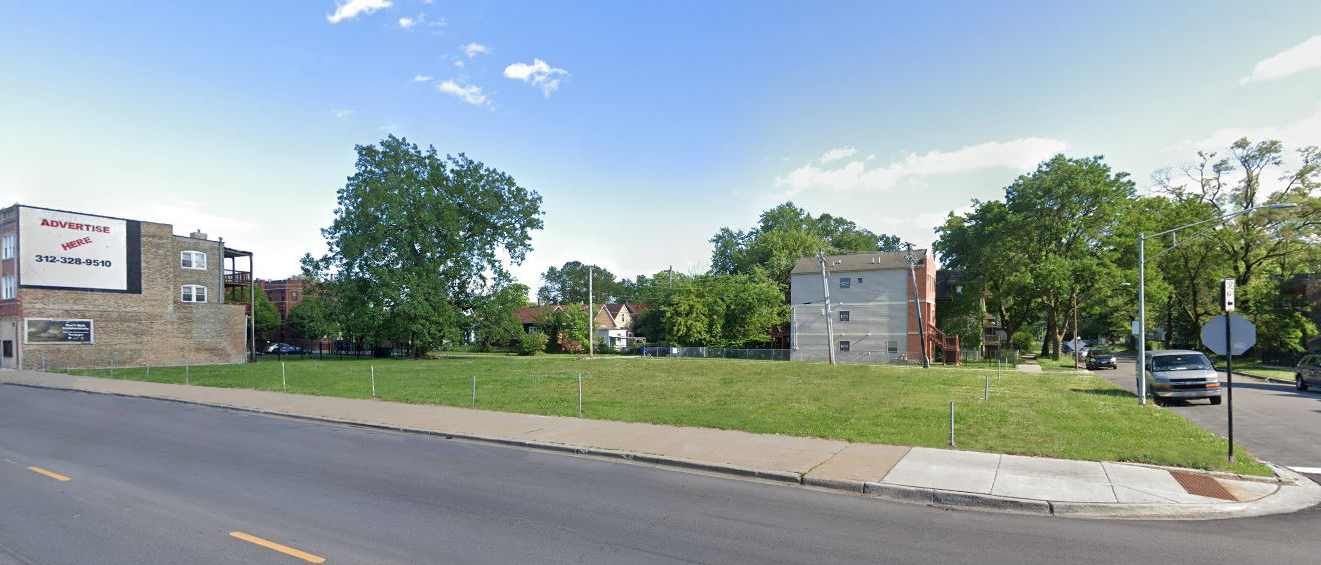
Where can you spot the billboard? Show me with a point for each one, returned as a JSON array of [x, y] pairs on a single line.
[[45, 330], [66, 250]]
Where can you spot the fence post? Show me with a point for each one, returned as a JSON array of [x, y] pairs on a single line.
[[284, 383], [185, 371], [997, 370], [580, 395], [373, 381], [951, 424], [112, 368], [148, 371], [474, 391], [986, 389]]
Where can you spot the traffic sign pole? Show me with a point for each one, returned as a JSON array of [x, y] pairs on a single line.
[[1227, 295], [1229, 370]]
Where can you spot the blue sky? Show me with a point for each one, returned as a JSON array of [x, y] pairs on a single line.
[[645, 127]]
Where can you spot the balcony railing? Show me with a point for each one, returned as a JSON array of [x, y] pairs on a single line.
[[237, 277]]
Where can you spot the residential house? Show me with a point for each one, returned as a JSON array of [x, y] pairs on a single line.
[[613, 322]]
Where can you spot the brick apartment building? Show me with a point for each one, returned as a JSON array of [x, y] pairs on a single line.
[[284, 294], [82, 290]]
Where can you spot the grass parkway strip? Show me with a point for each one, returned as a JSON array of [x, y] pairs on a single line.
[[1072, 416]]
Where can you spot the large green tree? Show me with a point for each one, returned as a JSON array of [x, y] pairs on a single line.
[[568, 284], [267, 318], [786, 233], [717, 310], [416, 241], [492, 320], [312, 319]]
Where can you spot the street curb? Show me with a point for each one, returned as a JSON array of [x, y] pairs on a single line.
[[1305, 492]]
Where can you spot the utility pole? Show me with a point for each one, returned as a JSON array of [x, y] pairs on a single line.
[[917, 307], [1077, 344], [830, 326], [591, 318]]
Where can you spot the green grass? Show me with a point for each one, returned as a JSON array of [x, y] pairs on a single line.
[[1065, 362], [1277, 374], [1068, 416]]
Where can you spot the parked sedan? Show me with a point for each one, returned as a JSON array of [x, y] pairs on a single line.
[[1100, 359], [1181, 375], [1308, 372]]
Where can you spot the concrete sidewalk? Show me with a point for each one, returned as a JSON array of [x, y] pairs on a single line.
[[941, 477]]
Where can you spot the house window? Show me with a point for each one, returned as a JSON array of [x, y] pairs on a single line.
[[7, 247], [843, 315], [8, 287], [844, 282], [295, 296], [9, 348], [892, 347], [859, 280], [193, 260], [192, 293], [843, 346]]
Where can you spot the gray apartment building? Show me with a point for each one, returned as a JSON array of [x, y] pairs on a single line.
[[90, 291], [871, 307]]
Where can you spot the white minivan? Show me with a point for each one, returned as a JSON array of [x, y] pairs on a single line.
[[1181, 375]]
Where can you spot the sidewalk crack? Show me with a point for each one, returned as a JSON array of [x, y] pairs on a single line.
[[824, 461]]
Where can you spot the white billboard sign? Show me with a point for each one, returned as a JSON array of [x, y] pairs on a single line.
[[77, 251]]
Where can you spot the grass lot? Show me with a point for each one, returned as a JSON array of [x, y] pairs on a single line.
[[1065, 362], [1277, 374], [1069, 416]]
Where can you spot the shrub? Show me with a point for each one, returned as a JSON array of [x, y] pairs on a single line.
[[533, 343]]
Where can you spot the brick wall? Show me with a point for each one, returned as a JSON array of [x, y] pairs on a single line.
[[151, 328]]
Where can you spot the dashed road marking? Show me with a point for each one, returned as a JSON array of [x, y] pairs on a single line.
[[56, 476], [305, 556]]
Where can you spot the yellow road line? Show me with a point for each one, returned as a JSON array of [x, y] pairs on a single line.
[[305, 556], [56, 476]]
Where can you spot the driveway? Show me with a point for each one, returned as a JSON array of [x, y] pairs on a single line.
[[1276, 422]]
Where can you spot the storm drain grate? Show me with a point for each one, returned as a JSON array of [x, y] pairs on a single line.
[[1202, 485]]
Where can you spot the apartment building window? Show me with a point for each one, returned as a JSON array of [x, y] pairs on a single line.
[[892, 347], [844, 282], [295, 296], [8, 287], [843, 315], [192, 293], [192, 260], [843, 346], [7, 246]]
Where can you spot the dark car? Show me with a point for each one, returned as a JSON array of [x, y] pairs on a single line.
[[1101, 359], [284, 349], [1308, 372]]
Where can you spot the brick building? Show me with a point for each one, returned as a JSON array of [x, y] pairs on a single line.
[[82, 290], [284, 294]]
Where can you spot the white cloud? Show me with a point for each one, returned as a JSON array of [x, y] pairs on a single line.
[[471, 94], [474, 49], [343, 113], [1299, 133], [539, 73], [1302, 57], [459, 63], [1020, 154], [837, 154], [349, 9], [407, 22], [421, 78]]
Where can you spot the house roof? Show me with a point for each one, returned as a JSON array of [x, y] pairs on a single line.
[[858, 262]]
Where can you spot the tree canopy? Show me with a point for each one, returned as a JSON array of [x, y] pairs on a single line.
[[785, 234], [568, 284], [416, 242]]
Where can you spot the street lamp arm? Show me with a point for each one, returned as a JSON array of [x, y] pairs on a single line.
[[1225, 217], [1181, 242]]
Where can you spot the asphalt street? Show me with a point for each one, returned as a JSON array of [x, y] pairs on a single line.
[[156, 482], [1275, 421]]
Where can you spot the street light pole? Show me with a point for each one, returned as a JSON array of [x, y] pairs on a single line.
[[1142, 318], [1142, 286]]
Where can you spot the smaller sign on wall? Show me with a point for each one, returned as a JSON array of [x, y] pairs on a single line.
[[44, 330]]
